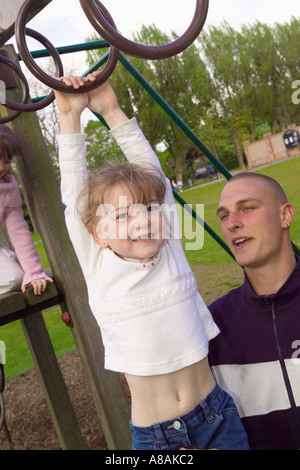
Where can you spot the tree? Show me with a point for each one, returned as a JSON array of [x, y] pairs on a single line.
[[287, 40], [252, 73], [229, 86], [222, 50], [100, 146]]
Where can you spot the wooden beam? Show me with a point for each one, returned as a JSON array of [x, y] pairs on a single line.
[[15, 305], [11, 303]]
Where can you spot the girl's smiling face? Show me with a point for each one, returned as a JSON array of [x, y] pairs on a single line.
[[132, 230]]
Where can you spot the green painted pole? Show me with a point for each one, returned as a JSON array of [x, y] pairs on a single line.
[[176, 118], [202, 222]]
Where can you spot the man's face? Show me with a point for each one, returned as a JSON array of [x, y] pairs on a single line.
[[251, 222]]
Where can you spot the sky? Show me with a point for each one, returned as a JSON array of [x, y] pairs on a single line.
[[63, 22]]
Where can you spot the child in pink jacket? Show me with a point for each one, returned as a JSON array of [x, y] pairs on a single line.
[[22, 268]]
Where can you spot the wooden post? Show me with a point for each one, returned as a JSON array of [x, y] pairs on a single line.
[[61, 409], [42, 193]]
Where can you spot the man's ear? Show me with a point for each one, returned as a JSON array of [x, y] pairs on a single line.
[[287, 214], [100, 242]]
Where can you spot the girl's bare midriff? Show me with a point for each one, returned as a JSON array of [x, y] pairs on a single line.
[[161, 397]]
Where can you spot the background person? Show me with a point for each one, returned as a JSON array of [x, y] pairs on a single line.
[[21, 268]]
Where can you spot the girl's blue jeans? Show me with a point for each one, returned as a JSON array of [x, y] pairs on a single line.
[[213, 424]]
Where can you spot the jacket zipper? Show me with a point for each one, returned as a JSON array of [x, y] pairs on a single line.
[[283, 366]]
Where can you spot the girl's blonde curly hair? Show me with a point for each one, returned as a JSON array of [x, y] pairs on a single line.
[[142, 182]]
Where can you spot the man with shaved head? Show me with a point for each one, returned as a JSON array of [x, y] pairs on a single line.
[[256, 358]]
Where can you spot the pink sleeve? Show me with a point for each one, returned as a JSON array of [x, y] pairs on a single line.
[[22, 241]]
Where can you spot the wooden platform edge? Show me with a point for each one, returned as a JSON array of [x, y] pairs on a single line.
[[16, 305]]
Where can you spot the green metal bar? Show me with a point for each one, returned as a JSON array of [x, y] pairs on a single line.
[[202, 222], [176, 195], [97, 64], [177, 119], [155, 95], [94, 67], [193, 137], [167, 108], [84, 46]]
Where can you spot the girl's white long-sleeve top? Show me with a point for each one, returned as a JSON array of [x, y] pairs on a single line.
[[151, 315]]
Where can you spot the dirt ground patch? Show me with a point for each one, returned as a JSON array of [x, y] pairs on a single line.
[[27, 415]]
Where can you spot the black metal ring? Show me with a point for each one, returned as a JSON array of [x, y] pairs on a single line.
[[20, 27], [110, 34], [25, 90], [29, 107]]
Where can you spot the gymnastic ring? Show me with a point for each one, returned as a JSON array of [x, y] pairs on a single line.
[[29, 107], [20, 27], [25, 89], [110, 34]]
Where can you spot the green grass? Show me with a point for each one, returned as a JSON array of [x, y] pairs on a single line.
[[18, 357]]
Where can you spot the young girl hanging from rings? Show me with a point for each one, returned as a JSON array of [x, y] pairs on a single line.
[[155, 326], [21, 268]]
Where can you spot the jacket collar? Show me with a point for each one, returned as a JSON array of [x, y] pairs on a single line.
[[287, 290]]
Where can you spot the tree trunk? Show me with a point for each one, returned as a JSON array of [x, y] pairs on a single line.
[[239, 151]]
